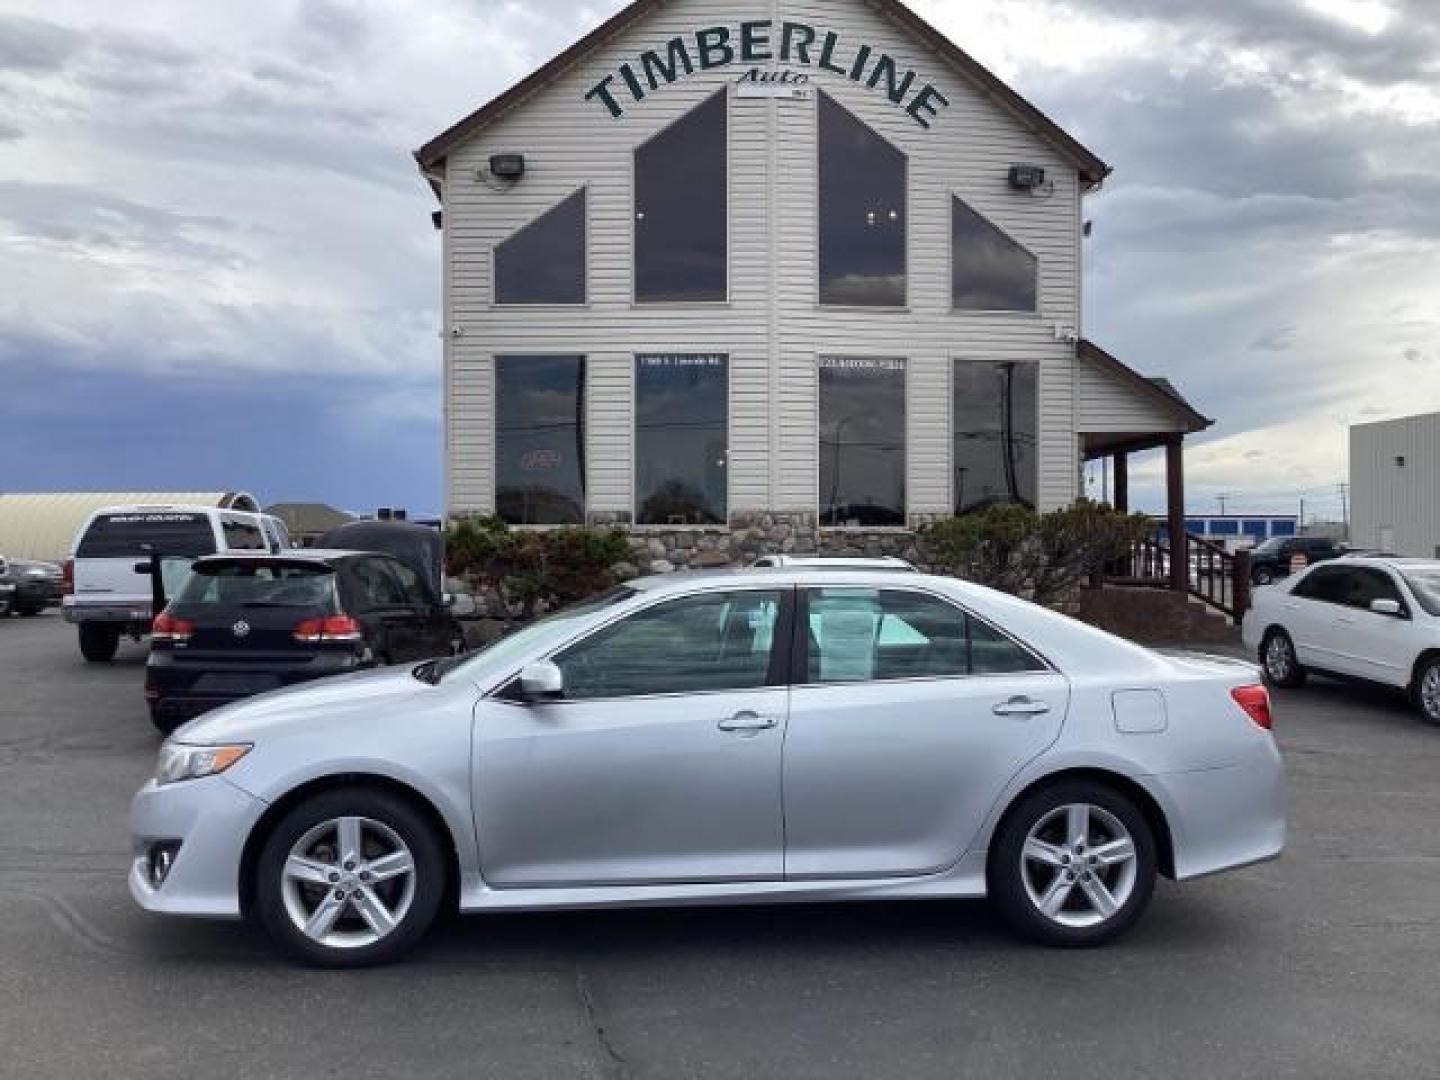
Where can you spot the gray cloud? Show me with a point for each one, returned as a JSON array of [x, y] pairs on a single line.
[[35, 45], [10, 133]]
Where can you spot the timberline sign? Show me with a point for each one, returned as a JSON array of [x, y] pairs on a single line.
[[756, 43]]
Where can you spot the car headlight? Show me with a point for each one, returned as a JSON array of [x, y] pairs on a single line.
[[181, 762]]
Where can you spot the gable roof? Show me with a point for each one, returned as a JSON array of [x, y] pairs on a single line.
[[1092, 169], [1161, 391]]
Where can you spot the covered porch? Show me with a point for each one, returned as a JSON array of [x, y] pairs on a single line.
[[1123, 413]]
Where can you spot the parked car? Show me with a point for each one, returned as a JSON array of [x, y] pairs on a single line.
[[106, 599], [1363, 618], [35, 585], [1271, 560], [726, 737], [243, 624], [7, 587]]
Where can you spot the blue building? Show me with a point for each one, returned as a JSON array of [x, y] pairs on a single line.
[[1237, 531]]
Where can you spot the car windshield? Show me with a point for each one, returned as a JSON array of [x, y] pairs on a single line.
[[1425, 584], [258, 584], [554, 628], [1271, 546]]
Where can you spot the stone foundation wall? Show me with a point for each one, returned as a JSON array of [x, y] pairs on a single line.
[[660, 550]]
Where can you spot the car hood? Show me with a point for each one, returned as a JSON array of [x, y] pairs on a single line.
[[324, 701]]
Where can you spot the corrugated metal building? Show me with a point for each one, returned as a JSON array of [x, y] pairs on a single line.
[[1395, 486], [772, 258], [42, 525]]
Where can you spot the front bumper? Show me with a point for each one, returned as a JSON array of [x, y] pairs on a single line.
[[38, 592], [211, 818]]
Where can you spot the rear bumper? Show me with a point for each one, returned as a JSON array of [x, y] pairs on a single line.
[[181, 688], [77, 610], [1225, 819], [211, 820]]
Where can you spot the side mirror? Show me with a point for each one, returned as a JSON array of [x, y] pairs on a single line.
[[461, 605], [542, 682], [1387, 607]]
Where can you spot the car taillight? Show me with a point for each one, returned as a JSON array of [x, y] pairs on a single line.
[[168, 628], [1255, 700], [331, 628], [67, 577]]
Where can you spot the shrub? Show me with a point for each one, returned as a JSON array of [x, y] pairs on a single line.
[[1043, 557], [531, 569]]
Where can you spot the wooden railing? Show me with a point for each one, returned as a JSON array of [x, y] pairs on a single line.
[[1212, 574]]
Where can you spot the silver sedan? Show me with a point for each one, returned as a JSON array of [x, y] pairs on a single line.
[[771, 735]]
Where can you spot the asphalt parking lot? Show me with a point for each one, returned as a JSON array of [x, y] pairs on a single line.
[[1326, 963]]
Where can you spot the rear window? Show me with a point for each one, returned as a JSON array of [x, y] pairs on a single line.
[[259, 584], [115, 536]]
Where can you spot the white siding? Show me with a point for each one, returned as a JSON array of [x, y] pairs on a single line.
[[772, 327], [1107, 403], [1396, 507]]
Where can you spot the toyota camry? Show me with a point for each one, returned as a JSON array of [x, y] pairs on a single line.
[[765, 735]]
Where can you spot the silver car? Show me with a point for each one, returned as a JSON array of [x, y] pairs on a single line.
[[735, 737]]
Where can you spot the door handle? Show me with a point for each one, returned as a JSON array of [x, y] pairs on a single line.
[[748, 721], [1021, 706]]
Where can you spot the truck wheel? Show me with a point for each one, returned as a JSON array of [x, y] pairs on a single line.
[[99, 642]]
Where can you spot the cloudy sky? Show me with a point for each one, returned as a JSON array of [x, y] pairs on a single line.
[[218, 268]]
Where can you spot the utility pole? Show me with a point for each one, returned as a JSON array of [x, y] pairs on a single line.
[[1224, 498], [1345, 507], [1301, 527]]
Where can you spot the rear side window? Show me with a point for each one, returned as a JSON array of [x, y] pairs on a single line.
[[257, 584], [1328, 584], [242, 535], [866, 635], [115, 536]]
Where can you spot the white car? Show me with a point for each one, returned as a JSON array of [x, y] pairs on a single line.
[[1376, 619]]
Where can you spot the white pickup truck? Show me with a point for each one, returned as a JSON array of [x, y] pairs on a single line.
[[108, 598]]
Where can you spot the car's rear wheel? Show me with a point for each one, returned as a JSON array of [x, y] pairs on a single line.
[[1427, 691], [1073, 864], [350, 878], [99, 642], [1279, 660]]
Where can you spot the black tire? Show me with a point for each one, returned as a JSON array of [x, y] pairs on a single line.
[[99, 642], [1279, 661], [1262, 575], [391, 812], [1427, 704], [1010, 877], [28, 612]]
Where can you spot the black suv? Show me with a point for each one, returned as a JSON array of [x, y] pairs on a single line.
[[1271, 559], [244, 624]]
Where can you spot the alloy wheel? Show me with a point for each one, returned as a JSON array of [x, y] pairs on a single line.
[[1430, 693], [348, 882], [1078, 865], [1279, 658]]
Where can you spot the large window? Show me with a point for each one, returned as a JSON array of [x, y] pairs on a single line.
[[681, 214], [996, 425], [700, 644], [544, 263], [988, 270], [540, 439], [862, 213], [681, 410], [862, 442]]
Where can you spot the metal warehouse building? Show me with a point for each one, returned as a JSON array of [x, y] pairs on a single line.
[[1395, 486], [42, 525], [800, 273]]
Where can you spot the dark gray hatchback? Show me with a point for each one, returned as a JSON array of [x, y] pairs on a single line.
[[240, 625]]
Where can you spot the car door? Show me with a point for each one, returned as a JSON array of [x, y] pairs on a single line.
[[660, 763], [1311, 614], [383, 607], [908, 719], [433, 627], [1378, 647]]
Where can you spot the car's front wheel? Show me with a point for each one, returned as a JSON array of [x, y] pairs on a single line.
[[1073, 864], [1280, 662], [350, 878], [1427, 691]]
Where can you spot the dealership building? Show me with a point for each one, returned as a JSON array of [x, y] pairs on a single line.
[[754, 273]]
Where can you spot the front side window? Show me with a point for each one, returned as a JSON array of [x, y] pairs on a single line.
[[544, 263], [540, 440], [1425, 584], [862, 442], [988, 270], [862, 213], [681, 436], [698, 644], [1368, 585], [996, 422], [1328, 584], [681, 209], [416, 592], [378, 587], [865, 635]]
